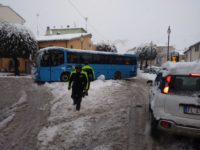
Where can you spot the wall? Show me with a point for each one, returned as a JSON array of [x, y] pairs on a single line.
[[6, 65], [73, 43], [193, 53], [9, 15]]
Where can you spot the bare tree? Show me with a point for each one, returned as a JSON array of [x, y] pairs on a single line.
[[106, 47], [145, 53]]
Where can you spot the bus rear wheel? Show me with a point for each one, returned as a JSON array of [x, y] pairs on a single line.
[[64, 77], [118, 75]]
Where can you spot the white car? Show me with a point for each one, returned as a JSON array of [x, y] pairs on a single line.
[[175, 99]]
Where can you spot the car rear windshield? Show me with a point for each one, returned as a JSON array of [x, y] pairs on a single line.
[[185, 84]]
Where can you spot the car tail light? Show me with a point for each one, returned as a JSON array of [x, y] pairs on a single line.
[[195, 74], [166, 88], [168, 79], [165, 124]]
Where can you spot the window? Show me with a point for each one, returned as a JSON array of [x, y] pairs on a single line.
[[57, 58], [75, 57], [45, 59], [196, 48], [185, 83], [51, 58]]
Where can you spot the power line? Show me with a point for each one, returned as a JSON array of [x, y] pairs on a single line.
[[83, 17]]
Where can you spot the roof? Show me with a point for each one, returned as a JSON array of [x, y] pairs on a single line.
[[57, 31], [180, 68], [61, 37], [198, 43], [85, 51]]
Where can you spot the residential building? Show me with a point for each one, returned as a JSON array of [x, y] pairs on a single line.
[[74, 38], [162, 54], [7, 14], [193, 52]]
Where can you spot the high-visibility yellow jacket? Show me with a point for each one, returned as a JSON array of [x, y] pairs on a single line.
[[90, 72]]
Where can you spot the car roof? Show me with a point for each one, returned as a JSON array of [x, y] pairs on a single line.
[[180, 68]]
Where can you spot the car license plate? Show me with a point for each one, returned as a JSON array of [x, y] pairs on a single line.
[[187, 109]]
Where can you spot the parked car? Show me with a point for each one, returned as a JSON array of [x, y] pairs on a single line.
[[150, 70], [174, 96]]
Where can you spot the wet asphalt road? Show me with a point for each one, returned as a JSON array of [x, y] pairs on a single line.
[[29, 104], [139, 127]]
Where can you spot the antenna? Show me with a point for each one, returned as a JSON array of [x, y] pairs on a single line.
[[86, 19]]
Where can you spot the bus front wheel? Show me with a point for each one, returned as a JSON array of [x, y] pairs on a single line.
[[64, 77], [118, 75]]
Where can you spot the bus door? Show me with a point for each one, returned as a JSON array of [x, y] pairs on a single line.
[[45, 67], [57, 64]]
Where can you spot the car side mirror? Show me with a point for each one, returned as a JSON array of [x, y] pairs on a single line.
[[150, 82]]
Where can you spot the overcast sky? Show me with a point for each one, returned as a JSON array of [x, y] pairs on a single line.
[[126, 23]]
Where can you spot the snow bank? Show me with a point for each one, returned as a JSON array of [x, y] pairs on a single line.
[[147, 76], [47, 135], [11, 75], [9, 112], [69, 128], [5, 122]]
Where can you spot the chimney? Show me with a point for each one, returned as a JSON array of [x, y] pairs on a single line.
[[48, 30]]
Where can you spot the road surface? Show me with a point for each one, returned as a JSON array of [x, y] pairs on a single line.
[[118, 122]]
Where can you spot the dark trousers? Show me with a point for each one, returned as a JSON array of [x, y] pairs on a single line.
[[77, 97]]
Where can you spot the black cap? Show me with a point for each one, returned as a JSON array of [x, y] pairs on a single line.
[[78, 67]]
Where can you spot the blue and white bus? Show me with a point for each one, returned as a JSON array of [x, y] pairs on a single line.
[[56, 63]]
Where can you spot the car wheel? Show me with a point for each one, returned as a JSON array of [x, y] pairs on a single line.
[[64, 77], [118, 75], [153, 125]]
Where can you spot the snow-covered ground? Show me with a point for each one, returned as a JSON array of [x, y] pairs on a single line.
[[147, 76], [71, 129], [71, 125]]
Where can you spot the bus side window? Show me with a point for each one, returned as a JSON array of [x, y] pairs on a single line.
[[45, 61], [57, 58]]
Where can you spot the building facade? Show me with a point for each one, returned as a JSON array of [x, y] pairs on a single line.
[[7, 14], [74, 38], [193, 52], [162, 54]]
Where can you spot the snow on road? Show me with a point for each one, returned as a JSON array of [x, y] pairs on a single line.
[[71, 129], [9, 112]]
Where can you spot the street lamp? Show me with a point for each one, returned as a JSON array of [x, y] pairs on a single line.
[[168, 32]]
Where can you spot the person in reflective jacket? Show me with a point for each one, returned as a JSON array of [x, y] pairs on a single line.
[[79, 82], [90, 73]]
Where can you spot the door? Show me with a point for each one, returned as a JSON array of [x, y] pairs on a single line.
[[45, 66], [57, 67]]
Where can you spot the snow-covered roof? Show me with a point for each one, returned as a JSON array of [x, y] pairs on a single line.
[[61, 37], [180, 68]]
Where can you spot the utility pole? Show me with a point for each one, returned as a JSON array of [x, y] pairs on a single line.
[[37, 15], [168, 32]]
